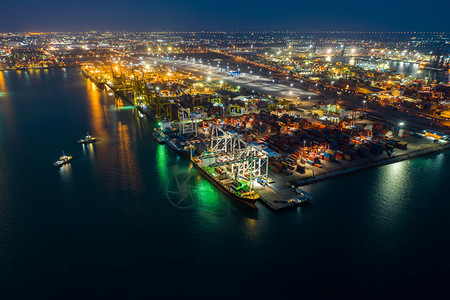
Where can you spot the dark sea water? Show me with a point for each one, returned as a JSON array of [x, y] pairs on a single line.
[[130, 219]]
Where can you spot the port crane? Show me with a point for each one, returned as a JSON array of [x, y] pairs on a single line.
[[246, 161], [119, 80], [282, 105], [147, 94], [440, 58], [188, 121]]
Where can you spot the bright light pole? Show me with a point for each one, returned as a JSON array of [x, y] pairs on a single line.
[[400, 130]]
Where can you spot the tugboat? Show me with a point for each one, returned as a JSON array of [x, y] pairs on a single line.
[[87, 139], [157, 136], [64, 159]]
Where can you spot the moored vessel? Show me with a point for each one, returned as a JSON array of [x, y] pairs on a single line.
[[233, 187], [183, 148]]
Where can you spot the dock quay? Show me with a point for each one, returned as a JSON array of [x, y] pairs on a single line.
[[129, 99], [275, 200], [276, 196], [376, 163], [121, 94]]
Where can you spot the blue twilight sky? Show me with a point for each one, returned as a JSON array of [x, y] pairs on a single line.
[[150, 15]]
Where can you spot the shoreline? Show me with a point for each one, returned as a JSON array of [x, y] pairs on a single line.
[[276, 201], [39, 68], [121, 94], [376, 163], [124, 97]]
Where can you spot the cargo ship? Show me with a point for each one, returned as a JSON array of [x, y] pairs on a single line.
[[180, 143], [174, 140], [83, 71], [98, 83], [223, 179], [183, 148]]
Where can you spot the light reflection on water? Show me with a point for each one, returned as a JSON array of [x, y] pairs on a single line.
[[89, 150], [2, 83], [98, 117], [162, 162], [130, 170], [114, 152], [392, 187], [66, 173]]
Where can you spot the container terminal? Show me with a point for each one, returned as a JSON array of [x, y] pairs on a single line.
[[254, 146]]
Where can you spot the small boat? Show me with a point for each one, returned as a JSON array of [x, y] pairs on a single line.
[[158, 137], [303, 197], [87, 139], [64, 159]]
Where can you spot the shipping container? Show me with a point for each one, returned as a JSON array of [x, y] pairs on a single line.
[[402, 145]]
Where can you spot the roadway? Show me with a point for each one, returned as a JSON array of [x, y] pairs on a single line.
[[248, 78]]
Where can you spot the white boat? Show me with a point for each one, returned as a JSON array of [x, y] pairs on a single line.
[[87, 139], [64, 159]]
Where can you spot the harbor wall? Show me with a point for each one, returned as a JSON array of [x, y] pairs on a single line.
[[375, 163]]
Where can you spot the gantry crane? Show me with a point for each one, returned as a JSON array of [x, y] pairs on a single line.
[[247, 162]]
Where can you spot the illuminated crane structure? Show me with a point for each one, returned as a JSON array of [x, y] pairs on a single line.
[[280, 105], [148, 96], [188, 121], [440, 58], [119, 80], [145, 94], [247, 162]]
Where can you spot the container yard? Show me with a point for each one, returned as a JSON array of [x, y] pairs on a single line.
[[255, 147], [302, 151]]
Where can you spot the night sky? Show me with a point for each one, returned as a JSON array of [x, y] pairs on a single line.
[[178, 15]]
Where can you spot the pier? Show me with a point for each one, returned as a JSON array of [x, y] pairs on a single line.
[[277, 195], [120, 93]]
